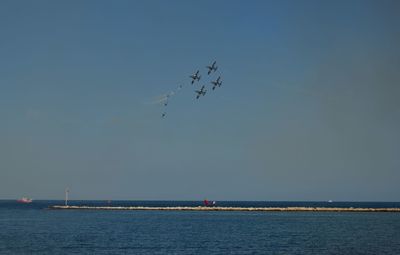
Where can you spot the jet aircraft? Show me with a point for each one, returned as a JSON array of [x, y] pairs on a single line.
[[213, 67], [201, 92], [166, 99], [195, 77], [217, 82]]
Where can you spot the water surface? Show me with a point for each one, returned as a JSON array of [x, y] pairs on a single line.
[[33, 229]]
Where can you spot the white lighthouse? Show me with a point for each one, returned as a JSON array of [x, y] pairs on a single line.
[[66, 196]]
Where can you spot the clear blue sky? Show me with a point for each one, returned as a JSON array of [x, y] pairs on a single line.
[[309, 108]]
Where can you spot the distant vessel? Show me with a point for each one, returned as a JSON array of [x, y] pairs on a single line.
[[25, 200]]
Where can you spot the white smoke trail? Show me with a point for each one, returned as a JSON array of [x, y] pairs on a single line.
[[162, 98]]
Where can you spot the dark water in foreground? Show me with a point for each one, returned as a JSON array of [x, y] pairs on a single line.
[[32, 229]]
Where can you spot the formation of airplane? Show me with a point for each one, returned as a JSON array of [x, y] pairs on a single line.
[[196, 77], [211, 68]]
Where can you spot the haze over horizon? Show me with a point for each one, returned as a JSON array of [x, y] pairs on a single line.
[[309, 107]]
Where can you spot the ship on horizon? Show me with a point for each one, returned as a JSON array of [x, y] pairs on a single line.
[[24, 200]]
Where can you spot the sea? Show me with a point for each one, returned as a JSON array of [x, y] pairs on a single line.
[[35, 229]]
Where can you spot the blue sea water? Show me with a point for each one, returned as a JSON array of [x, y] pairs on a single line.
[[34, 229]]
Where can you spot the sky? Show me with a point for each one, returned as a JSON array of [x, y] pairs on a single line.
[[309, 107]]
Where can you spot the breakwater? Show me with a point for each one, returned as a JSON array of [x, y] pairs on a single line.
[[218, 208]]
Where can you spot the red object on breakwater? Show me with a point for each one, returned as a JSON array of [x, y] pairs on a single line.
[[209, 203]]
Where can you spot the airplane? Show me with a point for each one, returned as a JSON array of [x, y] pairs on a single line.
[[213, 67], [201, 92], [195, 77], [166, 99], [216, 83]]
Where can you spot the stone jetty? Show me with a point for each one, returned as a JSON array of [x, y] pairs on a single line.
[[218, 208]]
